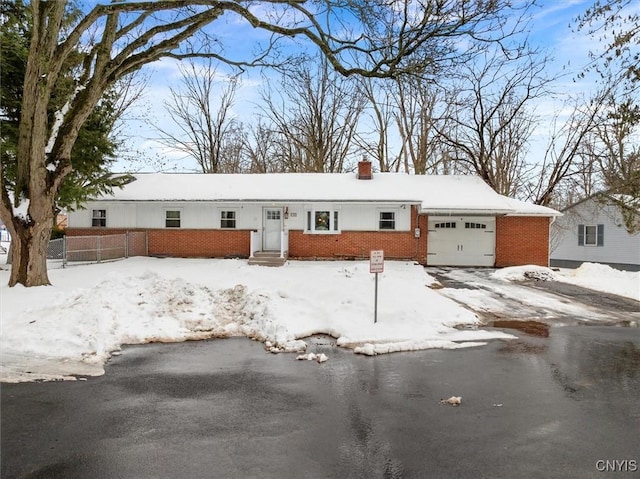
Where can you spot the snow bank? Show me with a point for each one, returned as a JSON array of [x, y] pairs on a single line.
[[73, 327], [595, 276], [604, 278]]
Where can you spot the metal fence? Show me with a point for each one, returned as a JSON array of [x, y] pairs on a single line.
[[94, 249], [55, 250]]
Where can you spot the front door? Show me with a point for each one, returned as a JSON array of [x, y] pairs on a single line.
[[271, 229]]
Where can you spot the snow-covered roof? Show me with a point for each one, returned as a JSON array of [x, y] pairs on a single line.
[[605, 197], [434, 193]]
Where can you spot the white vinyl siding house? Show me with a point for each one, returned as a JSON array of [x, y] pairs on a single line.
[[593, 231]]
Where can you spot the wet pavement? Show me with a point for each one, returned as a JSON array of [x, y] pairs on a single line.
[[565, 405]]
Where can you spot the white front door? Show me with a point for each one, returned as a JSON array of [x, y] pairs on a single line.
[[461, 241], [271, 229]]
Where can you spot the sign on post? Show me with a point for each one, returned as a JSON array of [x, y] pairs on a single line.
[[376, 261], [376, 265]]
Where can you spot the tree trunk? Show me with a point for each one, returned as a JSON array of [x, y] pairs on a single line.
[[29, 242]]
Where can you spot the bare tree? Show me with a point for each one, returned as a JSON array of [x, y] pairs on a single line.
[[374, 38], [490, 121], [376, 140], [417, 102], [260, 150], [616, 150], [316, 114], [616, 26], [200, 108], [562, 162]]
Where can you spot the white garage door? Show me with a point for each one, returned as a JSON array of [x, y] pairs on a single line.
[[461, 241]]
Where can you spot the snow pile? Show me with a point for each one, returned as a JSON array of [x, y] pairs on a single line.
[[604, 278], [74, 326], [595, 276], [525, 273]]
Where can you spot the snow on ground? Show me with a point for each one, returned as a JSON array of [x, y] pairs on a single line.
[[595, 276], [604, 278], [73, 327]]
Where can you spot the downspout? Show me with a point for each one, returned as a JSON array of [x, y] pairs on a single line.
[[415, 255], [553, 220]]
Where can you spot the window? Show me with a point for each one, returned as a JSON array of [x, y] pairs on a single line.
[[475, 226], [172, 219], [590, 235], [451, 224], [322, 221], [99, 218], [227, 219], [387, 220], [273, 215]]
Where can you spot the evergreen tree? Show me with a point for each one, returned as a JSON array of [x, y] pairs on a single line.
[[95, 150]]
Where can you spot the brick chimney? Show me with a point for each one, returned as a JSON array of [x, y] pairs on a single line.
[[364, 170]]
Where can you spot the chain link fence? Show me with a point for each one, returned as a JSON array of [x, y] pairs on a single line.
[[94, 249], [55, 250]]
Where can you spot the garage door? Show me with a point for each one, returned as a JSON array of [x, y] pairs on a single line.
[[461, 241]]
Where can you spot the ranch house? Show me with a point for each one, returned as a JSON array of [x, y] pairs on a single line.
[[435, 220]]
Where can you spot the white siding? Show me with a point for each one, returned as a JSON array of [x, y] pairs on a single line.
[[206, 215], [356, 217], [619, 246], [119, 215]]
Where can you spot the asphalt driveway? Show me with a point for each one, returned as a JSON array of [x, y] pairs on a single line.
[[551, 302]]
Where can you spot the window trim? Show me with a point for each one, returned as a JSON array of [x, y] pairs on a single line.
[[178, 219], [102, 219], [333, 215], [234, 219]]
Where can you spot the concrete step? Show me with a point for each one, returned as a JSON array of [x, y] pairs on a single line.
[[267, 258], [267, 254]]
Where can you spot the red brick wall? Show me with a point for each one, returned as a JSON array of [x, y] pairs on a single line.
[[519, 240], [185, 242], [351, 244], [420, 221], [522, 240], [358, 244]]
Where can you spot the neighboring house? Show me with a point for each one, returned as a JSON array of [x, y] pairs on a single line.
[[435, 220], [594, 230]]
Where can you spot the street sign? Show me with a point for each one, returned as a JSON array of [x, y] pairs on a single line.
[[376, 261], [376, 265]]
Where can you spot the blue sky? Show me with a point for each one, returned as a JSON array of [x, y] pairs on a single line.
[[551, 30]]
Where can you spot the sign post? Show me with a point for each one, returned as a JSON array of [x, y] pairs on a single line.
[[376, 265]]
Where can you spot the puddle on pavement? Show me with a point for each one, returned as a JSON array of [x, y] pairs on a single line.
[[533, 328], [516, 346]]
